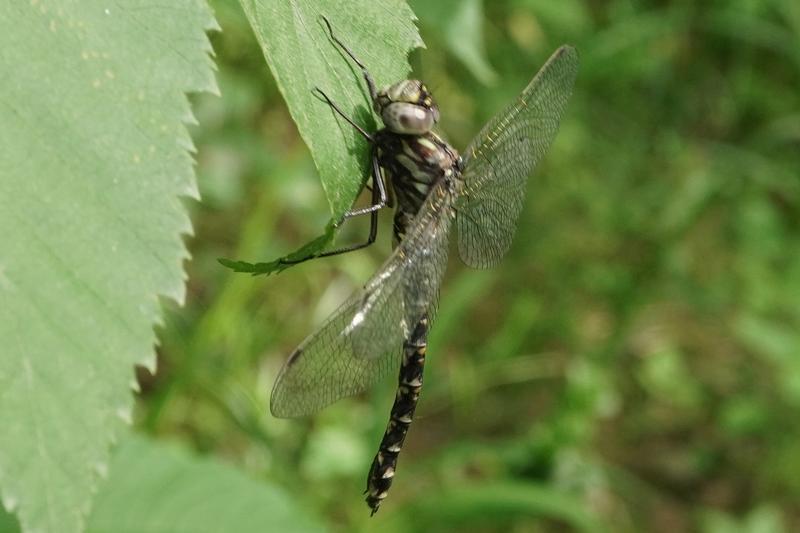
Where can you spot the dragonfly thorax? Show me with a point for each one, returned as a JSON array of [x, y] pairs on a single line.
[[414, 165], [407, 108]]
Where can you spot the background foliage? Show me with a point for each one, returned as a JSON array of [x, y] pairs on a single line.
[[633, 363]]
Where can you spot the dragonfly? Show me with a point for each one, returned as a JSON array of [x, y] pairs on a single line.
[[383, 327]]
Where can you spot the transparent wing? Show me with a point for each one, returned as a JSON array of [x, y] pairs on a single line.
[[499, 160], [361, 342]]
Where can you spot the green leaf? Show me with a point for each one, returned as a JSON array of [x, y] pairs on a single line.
[[94, 159], [464, 37], [157, 487], [766, 518], [302, 56], [307, 251], [461, 25], [494, 503], [8, 522]]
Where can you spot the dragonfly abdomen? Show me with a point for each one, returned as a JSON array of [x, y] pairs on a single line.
[[381, 474]]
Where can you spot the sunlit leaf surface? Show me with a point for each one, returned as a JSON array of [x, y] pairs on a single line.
[[93, 165], [301, 56]]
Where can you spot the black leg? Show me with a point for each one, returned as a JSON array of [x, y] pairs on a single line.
[[342, 114], [373, 94], [380, 198], [373, 233], [377, 204], [379, 201]]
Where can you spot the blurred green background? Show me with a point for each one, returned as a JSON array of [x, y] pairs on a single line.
[[633, 364]]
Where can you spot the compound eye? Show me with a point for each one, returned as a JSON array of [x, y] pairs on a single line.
[[408, 119]]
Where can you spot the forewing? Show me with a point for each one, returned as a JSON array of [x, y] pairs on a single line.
[[499, 160], [361, 342]]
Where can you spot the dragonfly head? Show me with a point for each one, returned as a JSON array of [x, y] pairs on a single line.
[[407, 107]]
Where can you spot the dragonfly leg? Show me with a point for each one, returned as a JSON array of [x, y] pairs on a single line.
[[380, 200], [342, 114], [373, 94]]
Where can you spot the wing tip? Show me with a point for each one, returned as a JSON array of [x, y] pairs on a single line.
[[274, 410], [565, 50], [293, 357], [275, 398]]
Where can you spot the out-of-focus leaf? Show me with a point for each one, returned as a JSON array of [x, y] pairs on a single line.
[[665, 376], [570, 16], [777, 342], [742, 26], [494, 503], [156, 487], [8, 522], [762, 519], [94, 158], [460, 22], [464, 36]]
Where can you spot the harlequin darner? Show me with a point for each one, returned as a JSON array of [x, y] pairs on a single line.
[[385, 324]]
